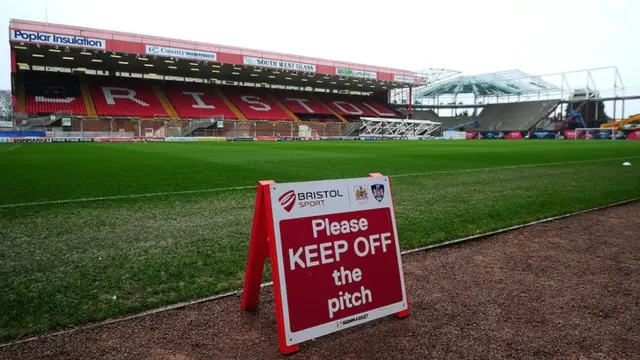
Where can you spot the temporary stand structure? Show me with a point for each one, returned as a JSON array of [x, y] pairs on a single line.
[[389, 127]]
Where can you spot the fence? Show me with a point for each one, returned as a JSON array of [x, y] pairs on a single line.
[[90, 127]]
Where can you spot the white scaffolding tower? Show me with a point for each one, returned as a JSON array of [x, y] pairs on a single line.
[[385, 127]]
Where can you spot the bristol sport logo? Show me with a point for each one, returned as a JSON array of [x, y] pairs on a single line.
[[307, 198], [287, 200]]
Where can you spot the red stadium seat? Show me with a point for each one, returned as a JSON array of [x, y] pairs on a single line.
[[47, 104], [302, 103], [378, 109], [48, 93], [197, 102], [257, 105], [357, 106], [125, 97], [346, 106]]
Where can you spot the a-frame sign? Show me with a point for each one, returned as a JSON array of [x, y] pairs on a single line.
[[335, 256]]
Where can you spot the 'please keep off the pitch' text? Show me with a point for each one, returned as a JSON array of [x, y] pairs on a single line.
[[328, 252]]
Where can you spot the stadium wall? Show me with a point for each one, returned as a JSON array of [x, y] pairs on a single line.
[[241, 135]]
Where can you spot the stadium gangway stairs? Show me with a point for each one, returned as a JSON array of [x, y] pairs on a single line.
[[475, 123], [200, 124], [43, 121], [351, 128]]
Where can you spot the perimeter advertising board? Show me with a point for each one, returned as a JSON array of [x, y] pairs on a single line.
[[336, 254]]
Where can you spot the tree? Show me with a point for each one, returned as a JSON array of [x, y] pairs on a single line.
[[6, 108]]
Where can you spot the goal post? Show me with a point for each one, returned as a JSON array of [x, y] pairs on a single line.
[[594, 133]]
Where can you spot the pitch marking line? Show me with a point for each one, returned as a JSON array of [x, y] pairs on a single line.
[[515, 166], [11, 148], [169, 193]]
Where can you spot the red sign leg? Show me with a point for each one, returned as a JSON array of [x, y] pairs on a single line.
[[258, 250], [403, 313], [284, 348]]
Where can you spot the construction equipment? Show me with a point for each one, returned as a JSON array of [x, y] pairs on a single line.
[[617, 124]]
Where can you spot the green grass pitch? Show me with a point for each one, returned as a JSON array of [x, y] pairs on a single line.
[[76, 262]]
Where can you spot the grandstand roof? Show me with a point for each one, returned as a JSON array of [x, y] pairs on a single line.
[[511, 82], [46, 44]]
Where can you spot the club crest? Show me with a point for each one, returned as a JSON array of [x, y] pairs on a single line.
[[378, 191], [361, 194]]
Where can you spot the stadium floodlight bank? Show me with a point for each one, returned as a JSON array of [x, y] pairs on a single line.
[[394, 127]]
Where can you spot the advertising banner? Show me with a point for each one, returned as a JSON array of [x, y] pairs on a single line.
[[149, 138], [211, 138], [569, 134], [180, 53], [240, 138], [357, 73], [542, 135], [180, 138], [57, 39], [473, 135], [29, 139], [113, 139], [410, 79], [279, 64], [593, 134], [515, 135], [455, 135], [634, 135], [71, 139], [493, 135]]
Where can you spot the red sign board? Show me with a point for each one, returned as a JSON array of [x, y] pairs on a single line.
[[334, 252]]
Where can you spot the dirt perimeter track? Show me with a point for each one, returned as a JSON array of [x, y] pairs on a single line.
[[567, 289]]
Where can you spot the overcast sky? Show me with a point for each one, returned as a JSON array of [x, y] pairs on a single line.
[[537, 37]]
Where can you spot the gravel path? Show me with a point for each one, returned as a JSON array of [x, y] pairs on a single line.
[[568, 289]]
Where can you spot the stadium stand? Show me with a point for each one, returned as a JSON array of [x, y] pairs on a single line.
[[48, 93], [197, 101], [128, 97], [426, 115], [256, 104], [125, 98], [301, 103], [353, 107], [514, 116], [500, 117]]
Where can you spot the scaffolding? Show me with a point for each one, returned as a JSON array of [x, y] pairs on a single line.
[[395, 128]]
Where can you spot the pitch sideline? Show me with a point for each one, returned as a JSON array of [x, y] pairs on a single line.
[[182, 192], [11, 148]]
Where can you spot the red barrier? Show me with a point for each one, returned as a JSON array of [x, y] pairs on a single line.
[[635, 135], [515, 135], [569, 134]]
